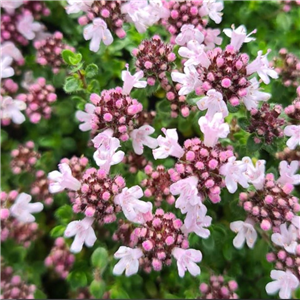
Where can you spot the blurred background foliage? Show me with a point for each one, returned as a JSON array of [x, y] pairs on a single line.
[[60, 137]]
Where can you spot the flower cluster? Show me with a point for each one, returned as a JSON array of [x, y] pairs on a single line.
[[135, 162], [293, 110], [40, 188]]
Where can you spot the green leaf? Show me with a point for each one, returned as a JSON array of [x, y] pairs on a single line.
[[232, 109], [76, 59], [243, 123], [77, 279], [38, 294], [91, 70], [99, 258], [251, 145], [97, 288], [66, 55], [72, 84], [94, 86], [118, 293], [209, 243], [227, 251], [57, 231], [163, 107], [271, 148], [64, 214]]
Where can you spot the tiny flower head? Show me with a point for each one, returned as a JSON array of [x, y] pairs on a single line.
[[27, 27], [5, 69], [188, 33], [11, 109], [294, 132], [131, 81], [86, 117], [255, 175], [287, 173]]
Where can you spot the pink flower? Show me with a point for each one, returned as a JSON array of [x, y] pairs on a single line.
[[234, 174], [212, 8], [86, 117], [97, 32], [27, 27], [84, 234], [76, 6], [133, 208], [11, 109], [238, 36], [294, 132], [287, 173], [9, 49], [188, 33], [214, 103], [129, 260], [63, 179], [10, 5], [140, 137], [287, 238], [245, 232], [5, 69], [189, 80], [211, 38], [131, 81], [106, 155], [253, 95], [213, 129], [262, 67], [296, 223], [186, 259], [22, 210], [195, 54], [255, 175], [285, 282], [103, 138], [168, 145]]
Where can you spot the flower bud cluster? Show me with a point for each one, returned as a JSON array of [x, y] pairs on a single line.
[[39, 98], [135, 162], [8, 87], [293, 110], [158, 185], [204, 163], [60, 258], [24, 158], [40, 188], [49, 51], [289, 155], [218, 288], [37, 8]]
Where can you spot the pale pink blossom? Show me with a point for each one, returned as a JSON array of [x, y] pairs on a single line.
[[5, 69], [255, 175], [213, 129], [22, 210], [140, 138], [234, 172], [9, 49], [195, 53], [262, 67], [245, 232], [11, 109], [27, 26], [212, 38], [187, 33], [214, 103], [129, 260], [284, 282], [186, 260], [107, 156], [287, 173], [103, 138], [294, 132], [254, 95], [133, 208], [84, 234], [168, 146], [63, 179], [76, 6], [213, 9], [86, 117], [189, 80], [296, 222], [97, 32], [287, 238], [11, 5], [156, 11], [131, 81], [238, 36]]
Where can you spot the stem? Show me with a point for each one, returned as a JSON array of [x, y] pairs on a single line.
[[82, 78]]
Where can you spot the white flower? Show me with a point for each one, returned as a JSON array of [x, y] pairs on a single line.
[[189, 80], [211, 38], [245, 232], [253, 95], [86, 117], [63, 179], [103, 138], [212, 8], [287, 173], [76, 6], [22, 210], [238, 36], [10, 109], [287, 238], [294, 132], [187, 33], [84, 234], [140, 137], [234, 172], [132, 207], [285, 282], [213, 129], [11, 5], [97, 32], [131, 81], [255, 175], [27, 27], [168, 145], [5, 69], [262, 67], [214, 103], [129, 260], [9, 49]]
